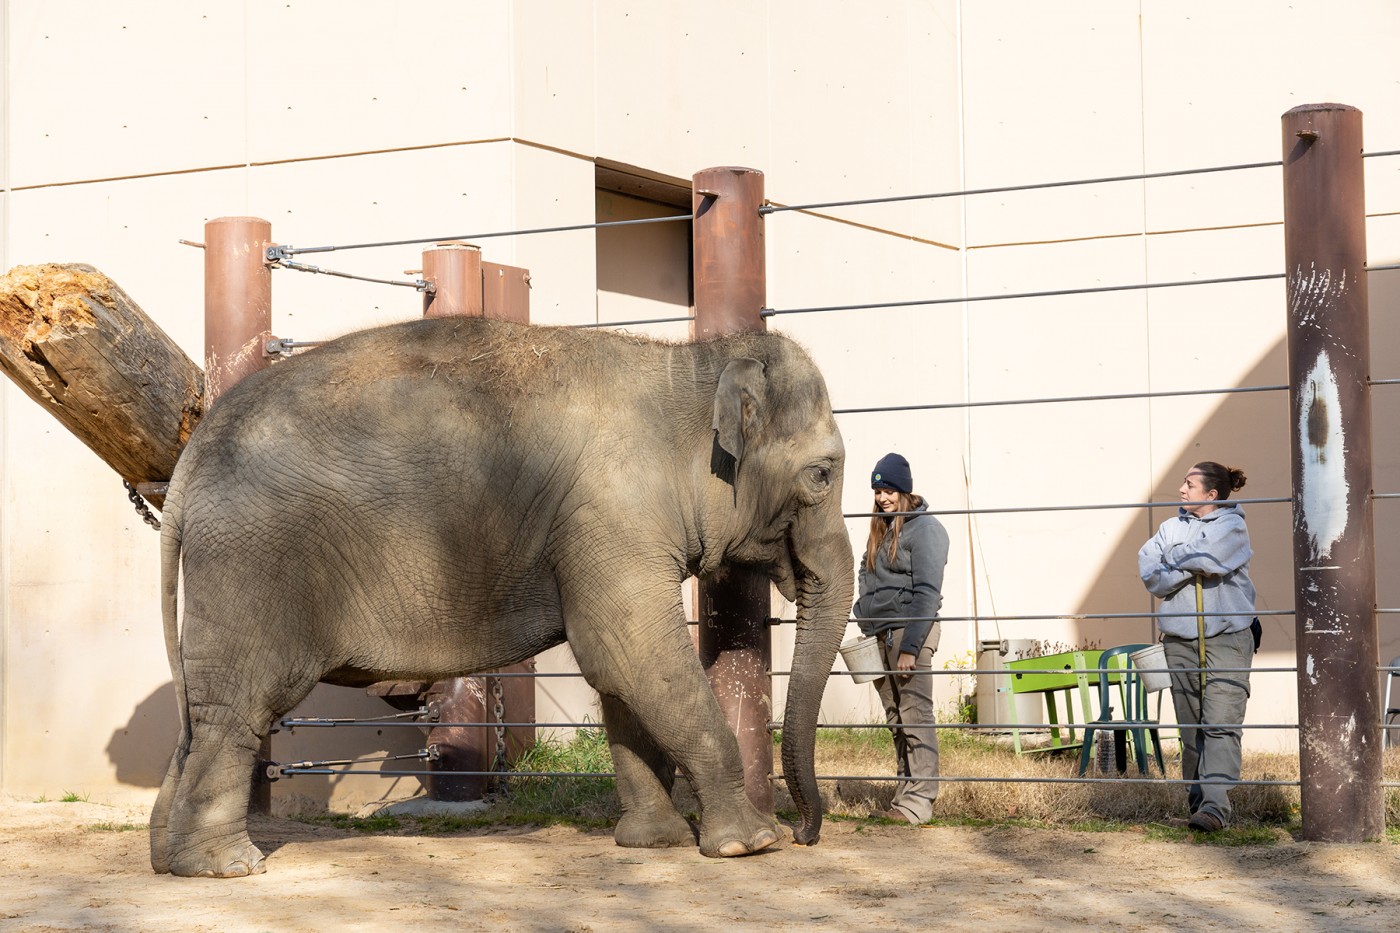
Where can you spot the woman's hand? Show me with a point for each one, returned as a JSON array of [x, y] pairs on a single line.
[[905, 664]]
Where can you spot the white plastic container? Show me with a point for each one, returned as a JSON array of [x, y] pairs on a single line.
[[862, 654], [1151, 663]]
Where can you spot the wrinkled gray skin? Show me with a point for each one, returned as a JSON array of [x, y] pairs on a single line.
[[446, 496]]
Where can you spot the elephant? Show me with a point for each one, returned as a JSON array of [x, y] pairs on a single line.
[[445, 496]]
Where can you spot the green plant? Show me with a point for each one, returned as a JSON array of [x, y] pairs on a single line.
[[963, 706], [554, 795], [71, 797]]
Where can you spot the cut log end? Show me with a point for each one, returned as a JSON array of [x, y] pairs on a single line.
[[77, 344]]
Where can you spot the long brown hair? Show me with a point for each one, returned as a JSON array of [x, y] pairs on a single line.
[[882, 528]]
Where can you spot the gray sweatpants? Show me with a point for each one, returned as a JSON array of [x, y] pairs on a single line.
[[1212, 752], [909, 702]]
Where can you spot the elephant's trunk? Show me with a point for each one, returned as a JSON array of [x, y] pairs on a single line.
[[823, 608]]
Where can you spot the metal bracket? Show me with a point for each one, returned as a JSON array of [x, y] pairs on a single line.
[[265, 772], [276, 254]]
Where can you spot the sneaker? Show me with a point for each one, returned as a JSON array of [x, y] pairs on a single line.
[[1205, 821]]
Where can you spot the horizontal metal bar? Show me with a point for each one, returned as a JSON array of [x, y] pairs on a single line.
[[1055, 293], [1176, 503], [323, 723], [1086, 616], [1004, 189], [941, 778], [295, 250], [1064, 398], [397, 773], [654, 320]]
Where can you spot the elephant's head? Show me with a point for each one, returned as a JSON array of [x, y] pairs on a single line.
[[785, 460]]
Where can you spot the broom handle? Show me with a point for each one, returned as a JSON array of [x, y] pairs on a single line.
[[1201, 636]]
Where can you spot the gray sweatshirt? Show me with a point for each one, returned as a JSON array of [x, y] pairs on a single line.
[[908, 592], [1216, 546]]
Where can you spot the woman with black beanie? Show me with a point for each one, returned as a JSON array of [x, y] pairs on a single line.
[[900, 592]]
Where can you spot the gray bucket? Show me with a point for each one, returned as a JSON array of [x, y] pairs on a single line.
[[862, 654], [1154, 659]]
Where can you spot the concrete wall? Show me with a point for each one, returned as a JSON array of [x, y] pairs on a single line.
[[125, 130]]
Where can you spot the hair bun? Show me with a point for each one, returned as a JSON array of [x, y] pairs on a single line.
[[1237, 479]]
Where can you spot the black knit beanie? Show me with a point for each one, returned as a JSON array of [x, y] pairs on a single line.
[[892, 472]]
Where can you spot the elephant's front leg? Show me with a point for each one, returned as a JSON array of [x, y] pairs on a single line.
[[644, 779], [645, 661]]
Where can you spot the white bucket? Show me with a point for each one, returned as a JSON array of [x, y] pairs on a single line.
[[1152, 667], [862, 654]]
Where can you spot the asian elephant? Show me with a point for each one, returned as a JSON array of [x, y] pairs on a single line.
[[434, 498]]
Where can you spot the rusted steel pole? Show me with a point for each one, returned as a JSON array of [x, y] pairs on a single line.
[[237, 301], [734, 641], [454, 271], [1334, 574], [237, 326]]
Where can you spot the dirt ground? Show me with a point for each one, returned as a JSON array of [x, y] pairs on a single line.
[[69, 866]]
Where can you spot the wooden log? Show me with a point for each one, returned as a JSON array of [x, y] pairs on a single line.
[[79, 346]]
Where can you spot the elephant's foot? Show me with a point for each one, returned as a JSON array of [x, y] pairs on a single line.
[[737, 837], [654, 830], [233, 858], [160, 846]]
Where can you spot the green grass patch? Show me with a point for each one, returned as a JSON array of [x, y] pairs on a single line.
[[371, 824], [71, 797], [117, 827], [584, 801]]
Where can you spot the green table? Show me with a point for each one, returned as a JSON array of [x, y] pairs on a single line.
[[1050, 675]]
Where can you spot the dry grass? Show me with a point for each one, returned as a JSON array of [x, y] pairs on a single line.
[[1042, 790], [1030, 797]]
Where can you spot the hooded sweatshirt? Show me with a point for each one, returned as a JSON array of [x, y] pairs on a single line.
[[1215, 545], [908, 592]]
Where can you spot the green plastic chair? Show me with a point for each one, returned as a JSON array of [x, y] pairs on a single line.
[[1115, 665]]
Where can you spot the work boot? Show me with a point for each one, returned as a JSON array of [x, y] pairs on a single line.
[[1206, 821]]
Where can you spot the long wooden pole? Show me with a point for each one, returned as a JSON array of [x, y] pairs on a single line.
[[237, 327], [734, 641], [1334, 571]]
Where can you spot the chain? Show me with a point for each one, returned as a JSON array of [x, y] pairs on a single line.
[[498, 710], [142, 508]]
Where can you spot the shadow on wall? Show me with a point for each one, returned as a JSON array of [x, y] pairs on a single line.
[[140, 751], [1252, 431]]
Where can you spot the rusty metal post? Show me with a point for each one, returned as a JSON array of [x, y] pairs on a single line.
[[1333, 542], [454, 270], [734, 639], [505, 292], [237, 326], [237, 301]]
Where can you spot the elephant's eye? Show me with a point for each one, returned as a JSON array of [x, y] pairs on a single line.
[[820, 475]]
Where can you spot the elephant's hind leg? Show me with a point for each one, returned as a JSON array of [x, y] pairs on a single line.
[[207, 832], [160, 813], [644, 779], [233, 694]]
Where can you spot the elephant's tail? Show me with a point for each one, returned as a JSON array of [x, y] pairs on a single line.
[[171, 574]]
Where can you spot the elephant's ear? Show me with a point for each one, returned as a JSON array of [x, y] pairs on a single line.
[[738, 401]]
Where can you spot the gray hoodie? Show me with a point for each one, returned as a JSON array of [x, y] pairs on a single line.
[[1216, 546], [908, 592]]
